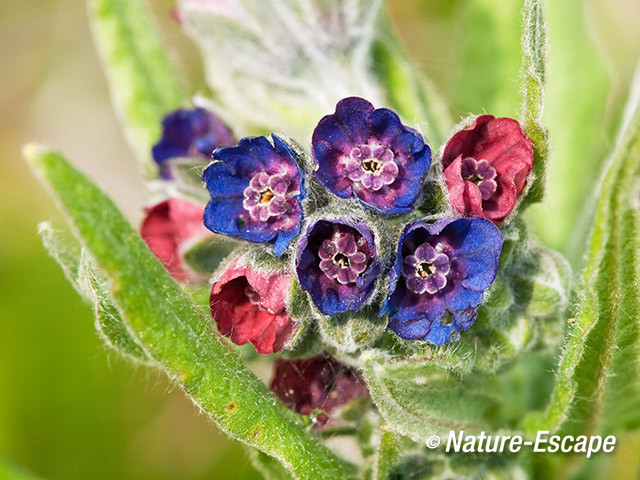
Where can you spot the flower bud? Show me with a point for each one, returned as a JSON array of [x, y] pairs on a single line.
[[192, 133], [486, 167], [249, 305], [317, 383]]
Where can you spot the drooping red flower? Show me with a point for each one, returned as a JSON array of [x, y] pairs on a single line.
[[168, 228], [249, 305], [486, 167], [317, 383]]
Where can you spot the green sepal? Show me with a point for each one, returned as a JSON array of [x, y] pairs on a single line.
[[352, 331]]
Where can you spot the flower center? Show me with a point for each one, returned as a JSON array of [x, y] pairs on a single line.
[[482, 174], [341, 260], [426, 270], [371, 165], [266, 196], [270, 196], [342, 257]]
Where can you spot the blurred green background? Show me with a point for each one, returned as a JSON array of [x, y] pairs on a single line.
[[70, 409]]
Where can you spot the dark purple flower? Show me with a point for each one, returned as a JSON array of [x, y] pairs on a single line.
[[486, 167], [318, 383], [189, 133], [439, 277], [369, 154], [337, 265], [256, 190]]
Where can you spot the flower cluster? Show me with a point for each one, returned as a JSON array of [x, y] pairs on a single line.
[[440, 271], [349, 225]]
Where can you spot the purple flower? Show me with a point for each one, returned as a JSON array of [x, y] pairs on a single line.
[[337, 265], [256, 190], [369, 154], [189, 133], [439, 277]]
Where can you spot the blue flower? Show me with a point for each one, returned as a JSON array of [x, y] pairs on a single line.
[[369, 154], [189, 133], [256, 190], [337, 265], [439, 277]]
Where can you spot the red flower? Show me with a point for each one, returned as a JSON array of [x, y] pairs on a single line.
[[320, 382], [486, 166], [250, 306], [168, 228]]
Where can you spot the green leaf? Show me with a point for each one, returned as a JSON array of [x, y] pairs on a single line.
[[534, 57], [175, 333], [421, 397], [206, 255], [84, 275], [144, 86], [286, 63], [598, 381]]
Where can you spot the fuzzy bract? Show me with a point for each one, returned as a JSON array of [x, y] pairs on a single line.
[[486, 167], [369, 154], [439, 277], [256, 191]]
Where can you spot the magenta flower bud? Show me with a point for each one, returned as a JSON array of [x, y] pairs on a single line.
[[337, 265], [486, 167], [169, 228], [249, 305], [318, 383]]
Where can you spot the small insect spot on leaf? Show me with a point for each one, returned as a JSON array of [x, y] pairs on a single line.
[[256, 432], [231, 407]]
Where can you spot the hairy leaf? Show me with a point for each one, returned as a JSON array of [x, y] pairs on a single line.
[[175, 333], [421, 397], [285, 63], [143, 83], [597, 383], [83, 274]]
